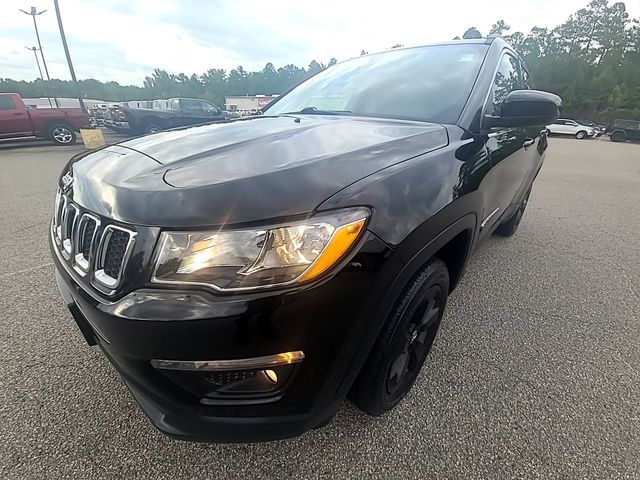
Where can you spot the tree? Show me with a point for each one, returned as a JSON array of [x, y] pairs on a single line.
[[472, 32], [315, 67], [499, 28]]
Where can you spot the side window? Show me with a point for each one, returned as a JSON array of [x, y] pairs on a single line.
[[193, 106], [6, 103], [507, 79], [208, 108]]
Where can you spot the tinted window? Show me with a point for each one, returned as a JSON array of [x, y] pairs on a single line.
[[507, 79], [426, 83], [630, 124], [194, 106], [208, 108], [6, 103]]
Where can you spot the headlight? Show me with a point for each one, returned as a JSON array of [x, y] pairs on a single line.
[[229, 260]]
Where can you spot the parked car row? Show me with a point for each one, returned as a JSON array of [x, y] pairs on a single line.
[[152, 116], [580, 130], [618, 131]]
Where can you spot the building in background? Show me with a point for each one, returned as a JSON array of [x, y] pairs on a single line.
[[247, 104]]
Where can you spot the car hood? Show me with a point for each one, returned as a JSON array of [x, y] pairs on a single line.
[[243, 171]]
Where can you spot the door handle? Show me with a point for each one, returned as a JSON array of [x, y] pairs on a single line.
[[528, 142], [17, 114]]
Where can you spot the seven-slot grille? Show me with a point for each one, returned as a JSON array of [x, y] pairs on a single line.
[[103, 252]]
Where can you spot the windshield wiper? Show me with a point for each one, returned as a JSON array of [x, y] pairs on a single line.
[[315, 111]]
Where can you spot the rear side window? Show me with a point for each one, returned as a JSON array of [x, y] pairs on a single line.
[[191, 105], [6, 103], [630, 124], [507, 80]]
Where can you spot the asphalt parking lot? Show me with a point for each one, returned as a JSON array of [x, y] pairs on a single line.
[[535, 372]]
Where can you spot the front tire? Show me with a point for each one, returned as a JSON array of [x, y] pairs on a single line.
[[617, 137], [62, 134], [581, 135], [406, 338]]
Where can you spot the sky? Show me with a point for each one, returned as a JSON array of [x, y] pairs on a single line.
[[124, 40]]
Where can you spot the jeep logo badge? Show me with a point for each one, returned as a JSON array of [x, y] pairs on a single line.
[[67, 180]]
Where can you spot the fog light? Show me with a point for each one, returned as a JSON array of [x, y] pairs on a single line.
[[271, 375], [247, 380]]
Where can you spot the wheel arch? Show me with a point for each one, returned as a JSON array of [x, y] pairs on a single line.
[[618, 132], [151, 120], [453, 245]]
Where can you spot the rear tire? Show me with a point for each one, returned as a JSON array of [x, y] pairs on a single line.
[[62, 134], [581, 135], [510, 226], [151, 128], [406, 338], [617, 137]]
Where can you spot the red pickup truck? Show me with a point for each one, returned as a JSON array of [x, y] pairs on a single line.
[[56, 124]]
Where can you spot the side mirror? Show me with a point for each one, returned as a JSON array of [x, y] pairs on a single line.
[[526, 108]]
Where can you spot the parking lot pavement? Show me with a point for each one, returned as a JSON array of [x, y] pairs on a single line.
[[535, 372]]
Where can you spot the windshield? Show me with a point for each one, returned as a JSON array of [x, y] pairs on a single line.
[[426, 83]]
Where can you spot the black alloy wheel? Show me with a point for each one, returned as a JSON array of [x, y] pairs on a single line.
[[415, 342], [404, 342]]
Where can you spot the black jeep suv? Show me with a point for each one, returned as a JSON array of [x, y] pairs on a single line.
[[623, 130], [245, 277]]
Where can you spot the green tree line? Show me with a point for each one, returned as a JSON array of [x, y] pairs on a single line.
[[592, 61], [214, 84]]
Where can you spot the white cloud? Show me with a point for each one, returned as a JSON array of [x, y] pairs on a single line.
[[124, 40]]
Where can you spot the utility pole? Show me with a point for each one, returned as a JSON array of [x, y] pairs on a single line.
[[34, 13], [66, 52], [35, 54]]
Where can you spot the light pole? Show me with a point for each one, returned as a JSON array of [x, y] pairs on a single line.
[[33, 12], [66, 52], [35, 54]]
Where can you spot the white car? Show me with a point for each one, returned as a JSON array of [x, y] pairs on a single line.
[[564, 126]]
